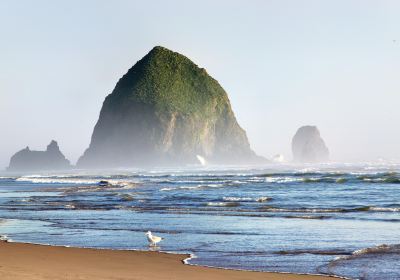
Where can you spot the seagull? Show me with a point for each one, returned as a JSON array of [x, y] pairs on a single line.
[[153, 240], [4, 238]]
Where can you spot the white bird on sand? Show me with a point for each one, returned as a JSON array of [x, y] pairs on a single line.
[[4, 238], [153, 240]]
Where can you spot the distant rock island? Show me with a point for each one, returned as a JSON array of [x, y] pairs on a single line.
[[166, 111], [308, 146], [51, 159]]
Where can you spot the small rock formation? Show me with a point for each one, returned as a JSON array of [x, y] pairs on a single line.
[[51, 159], [103, 183], [308, 146], [166, 111]]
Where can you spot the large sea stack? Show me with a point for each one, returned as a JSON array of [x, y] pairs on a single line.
[[166, 111], [49, 160], [308, 146]]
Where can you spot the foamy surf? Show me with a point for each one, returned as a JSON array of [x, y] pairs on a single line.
[[243, 207], [247, 199]]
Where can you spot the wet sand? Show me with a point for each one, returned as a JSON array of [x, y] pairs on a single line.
[[20, 261]]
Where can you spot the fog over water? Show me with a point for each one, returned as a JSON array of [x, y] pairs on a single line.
[[284, 64]]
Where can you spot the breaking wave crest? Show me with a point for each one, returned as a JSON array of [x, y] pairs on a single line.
[[331, 210], [314, 252], [76, 181], [247, 199], [380, 249], [51, 180], [197, 187], [223, 204], [364, 252], [332, 177]]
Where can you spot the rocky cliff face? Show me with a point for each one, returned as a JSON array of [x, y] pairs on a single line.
[[308, 146], [51, 159], [164, 111]]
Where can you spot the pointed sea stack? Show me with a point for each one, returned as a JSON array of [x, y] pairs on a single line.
[[308, 146], [166, 111], [49, 160]]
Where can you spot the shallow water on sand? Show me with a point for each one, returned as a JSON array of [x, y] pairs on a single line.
[[333, 219]]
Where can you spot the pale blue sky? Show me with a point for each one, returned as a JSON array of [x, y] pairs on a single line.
[[284, 64]]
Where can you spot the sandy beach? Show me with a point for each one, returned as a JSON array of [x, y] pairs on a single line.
[[36, 262]]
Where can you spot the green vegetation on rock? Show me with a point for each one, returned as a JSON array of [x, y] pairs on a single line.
[[166, 110]]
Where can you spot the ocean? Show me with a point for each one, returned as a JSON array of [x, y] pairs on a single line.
[[337, 219]]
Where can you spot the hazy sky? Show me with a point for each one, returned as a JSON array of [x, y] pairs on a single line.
[[334, 64]]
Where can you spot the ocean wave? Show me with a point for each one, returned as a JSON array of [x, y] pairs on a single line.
[[223, 204], [30, 199], [332, 177], [180, 188], [202, 181], [307, 217], [7, 178], [255, 180], [364, 252], [246, 199], [314, 252], [127, 197], [384, 209], [343, 210], [96, 188], [377, 262], [325, 180], [295, 179], [197, 187], [80, 186], [77, 180], [315, 210], [183, 198], [51, 180], [69, 206], [380, 249], [303, 174], [383, 178], [282, 179], [167, 189]]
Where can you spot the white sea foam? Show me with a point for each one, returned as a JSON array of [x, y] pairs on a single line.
[[238, 199], [192, 187], [384, 209], [255, 180], [181, 188], [216, 203], [378, 249], [223, 204], [37, 176], [304, 210], [167, 189], [282, 179], [244, 199], [52, 180], [76, 181]]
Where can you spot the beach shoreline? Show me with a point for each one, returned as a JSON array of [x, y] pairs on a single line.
[[36, 262]]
